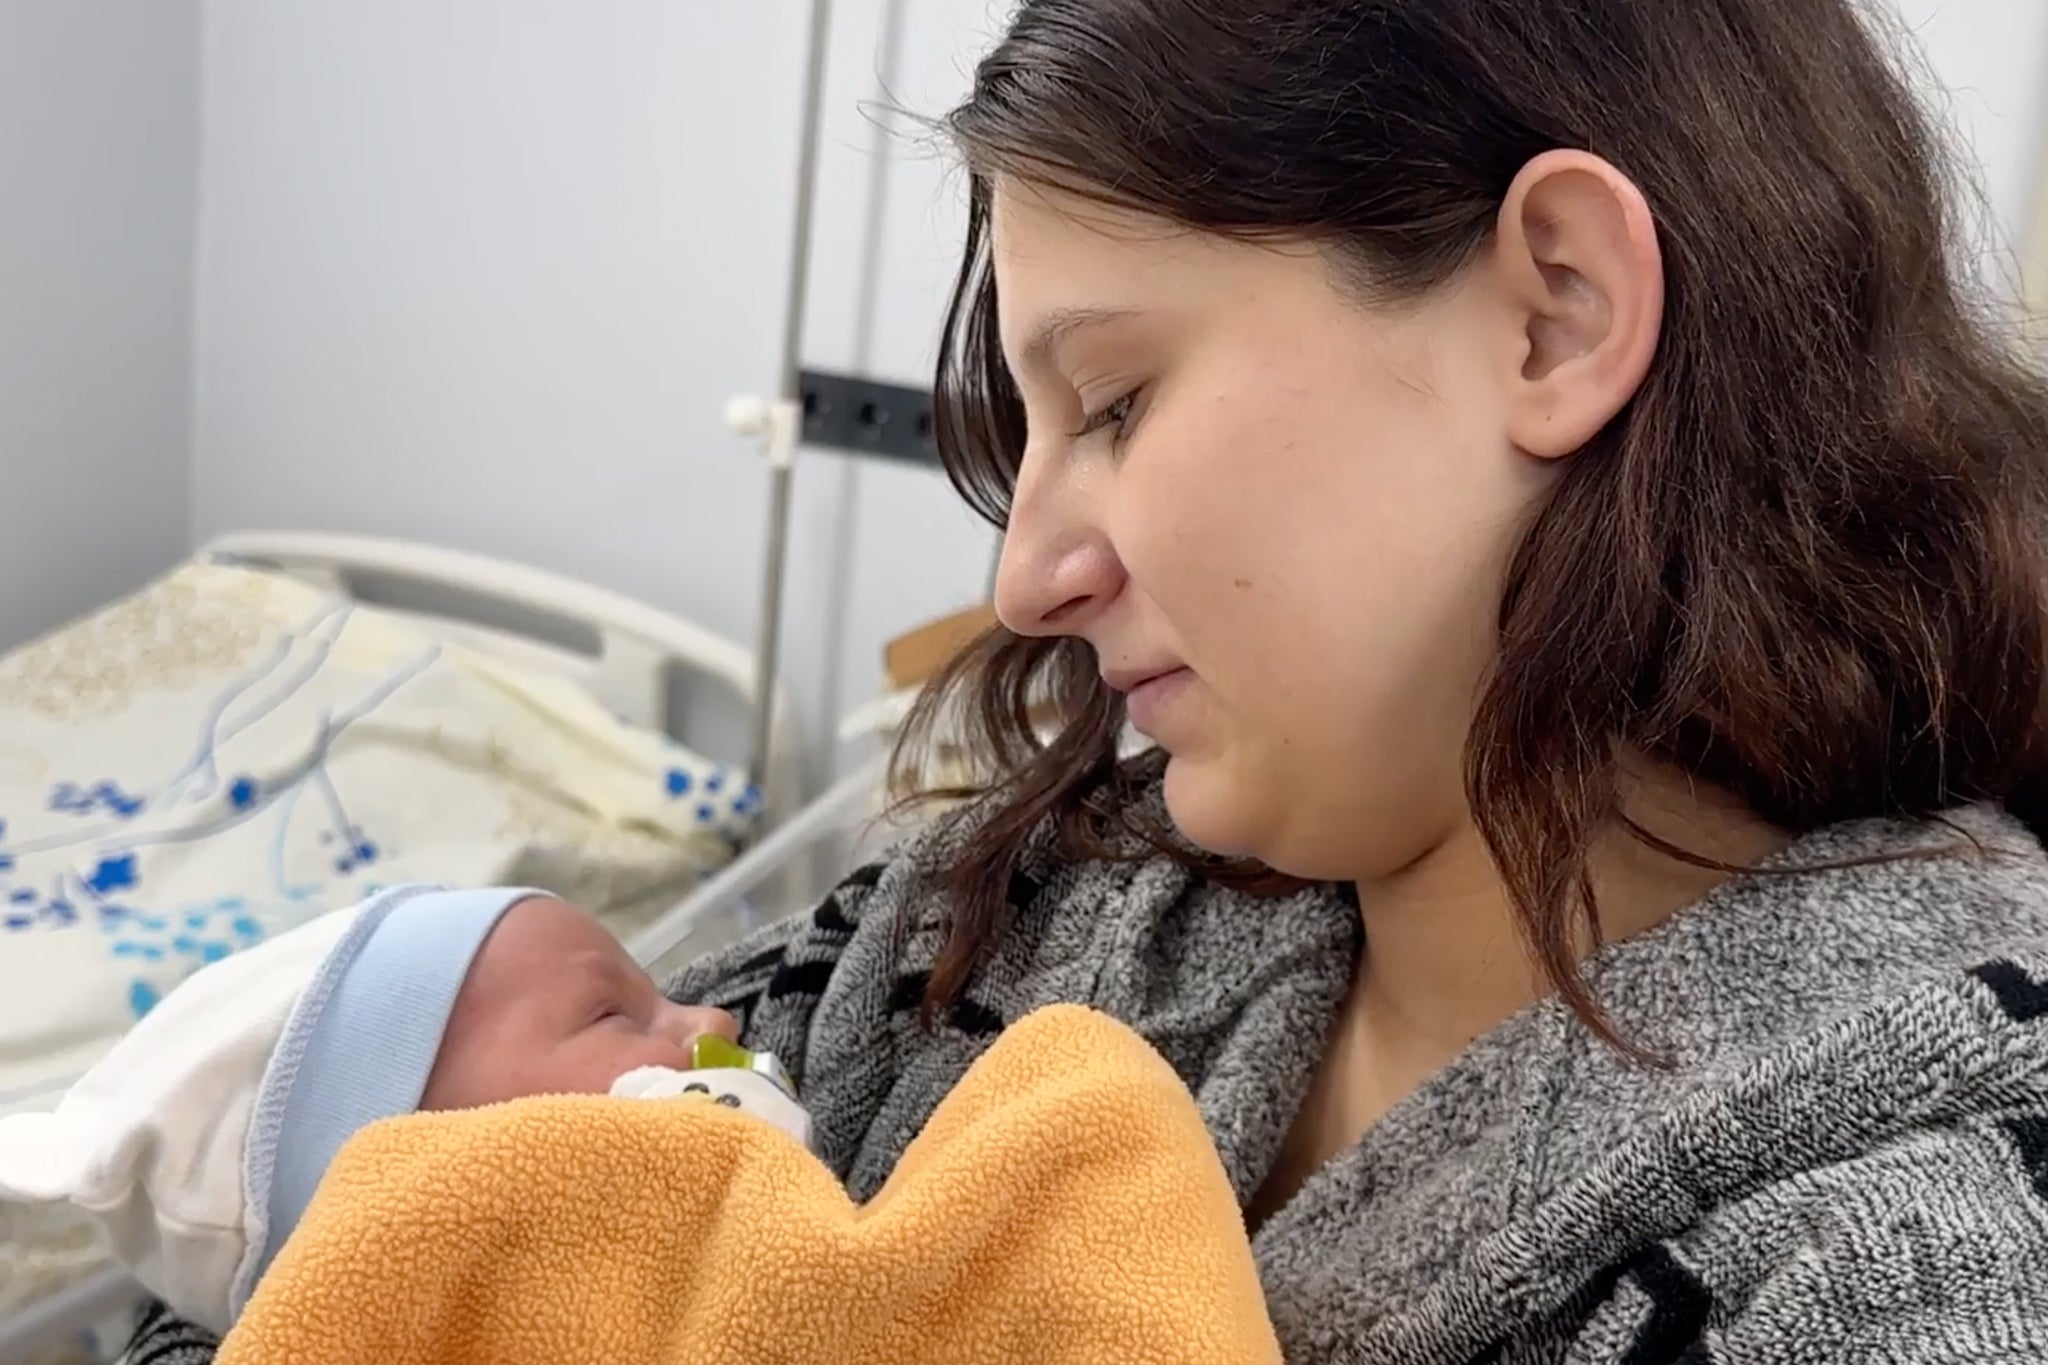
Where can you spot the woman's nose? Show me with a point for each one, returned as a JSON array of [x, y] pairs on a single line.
[[1057, 568]]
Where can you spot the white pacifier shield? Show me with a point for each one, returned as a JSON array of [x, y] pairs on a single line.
[[746, 1091]]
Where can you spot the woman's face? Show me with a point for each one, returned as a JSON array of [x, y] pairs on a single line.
[[1278, 514]]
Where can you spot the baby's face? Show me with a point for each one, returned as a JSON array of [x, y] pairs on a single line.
[[553, 1005]]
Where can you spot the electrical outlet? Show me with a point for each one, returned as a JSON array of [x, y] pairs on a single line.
[[865, 417]]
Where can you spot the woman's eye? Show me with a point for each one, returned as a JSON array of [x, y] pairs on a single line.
[[1116, 415]]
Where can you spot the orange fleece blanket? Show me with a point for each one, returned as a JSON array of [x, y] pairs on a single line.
[[1064, 1204]]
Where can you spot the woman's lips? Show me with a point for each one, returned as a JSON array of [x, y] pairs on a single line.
[[1151, 702]]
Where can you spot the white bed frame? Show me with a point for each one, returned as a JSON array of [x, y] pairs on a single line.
[[629, 672], [637, 645]]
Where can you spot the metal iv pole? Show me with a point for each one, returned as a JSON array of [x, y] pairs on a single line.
[[778, 423]]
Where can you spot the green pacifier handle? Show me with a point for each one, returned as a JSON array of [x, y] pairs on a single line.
[[713, 1053]]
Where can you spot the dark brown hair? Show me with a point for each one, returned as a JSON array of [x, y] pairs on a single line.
[[1816, 531]]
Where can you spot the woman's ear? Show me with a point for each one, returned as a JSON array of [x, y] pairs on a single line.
[[1576, 248]]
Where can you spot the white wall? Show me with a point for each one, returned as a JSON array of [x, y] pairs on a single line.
[[887, 547], [484, 272], [1987, 67], [97, 153]]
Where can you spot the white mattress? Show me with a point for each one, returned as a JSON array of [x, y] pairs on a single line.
[[230, 752]]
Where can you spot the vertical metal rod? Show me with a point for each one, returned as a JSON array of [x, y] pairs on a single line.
[[768, 640], [782, 459], [846, 515], [809, 130]]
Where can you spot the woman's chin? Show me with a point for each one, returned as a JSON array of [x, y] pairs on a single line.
[[1219, 812], [1210, 810]]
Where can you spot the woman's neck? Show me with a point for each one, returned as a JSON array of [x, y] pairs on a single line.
[[1445, 961]]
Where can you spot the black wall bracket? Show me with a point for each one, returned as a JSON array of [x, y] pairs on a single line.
[[864, 417]]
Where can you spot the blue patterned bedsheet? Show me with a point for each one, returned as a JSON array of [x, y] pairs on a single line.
[[230, 752]]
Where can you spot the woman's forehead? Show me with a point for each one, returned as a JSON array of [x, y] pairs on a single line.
[[1065, 264]]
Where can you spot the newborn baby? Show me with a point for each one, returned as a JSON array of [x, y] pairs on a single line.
[[306, 1144], [200, 1139]]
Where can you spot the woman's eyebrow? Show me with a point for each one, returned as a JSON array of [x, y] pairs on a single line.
[[1053, 330]]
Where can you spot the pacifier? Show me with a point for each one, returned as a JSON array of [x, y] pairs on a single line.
[[713, 1053], [725, 1074]]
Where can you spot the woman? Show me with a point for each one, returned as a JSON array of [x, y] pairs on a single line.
[[1529, 470]]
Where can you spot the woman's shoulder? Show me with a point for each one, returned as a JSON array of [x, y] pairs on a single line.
[[1853, 942], [1873, 1187], [1852, 1103], [1854, 1156], [1877, 1189], [1926, 1246]]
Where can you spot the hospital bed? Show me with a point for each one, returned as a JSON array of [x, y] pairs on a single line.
[[625, 810], [289, 721]]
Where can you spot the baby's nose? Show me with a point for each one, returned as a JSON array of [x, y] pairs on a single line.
[[687, 1023]]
